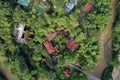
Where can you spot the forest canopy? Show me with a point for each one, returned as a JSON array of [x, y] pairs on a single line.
[[30, 58]]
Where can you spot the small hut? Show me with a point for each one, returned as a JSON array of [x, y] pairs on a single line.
[[51, 35], [72, 45], [66, 73], [19, 32], [69, 7], [49, 47], [24, 2], [63, 32], [88, 7], [40, 6]]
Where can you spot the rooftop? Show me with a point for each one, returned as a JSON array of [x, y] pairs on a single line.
[[66, 73], [72, 45], [88, 7], [49, 47], [24, 2], [51, 35]]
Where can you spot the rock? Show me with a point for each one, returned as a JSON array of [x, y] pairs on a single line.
[[116, 73]]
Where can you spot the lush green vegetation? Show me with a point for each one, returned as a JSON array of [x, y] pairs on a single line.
[[25, 60], [115, 50]]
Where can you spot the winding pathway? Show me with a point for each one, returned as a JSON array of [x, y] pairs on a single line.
[[105, 43]]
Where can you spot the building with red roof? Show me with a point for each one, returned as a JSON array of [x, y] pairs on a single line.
[[49, 47], [63, 31], [72, 45], [51, 35], [66, 73], [88, 7]]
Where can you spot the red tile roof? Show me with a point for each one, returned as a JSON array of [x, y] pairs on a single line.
[[49, 47], [72, 45], [66, 73], [51, 35], [88, 7]]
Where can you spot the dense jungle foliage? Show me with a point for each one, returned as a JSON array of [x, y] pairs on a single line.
[[24, 60]]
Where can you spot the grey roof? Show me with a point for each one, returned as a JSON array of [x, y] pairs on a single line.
[[20, 30], [69, 6]]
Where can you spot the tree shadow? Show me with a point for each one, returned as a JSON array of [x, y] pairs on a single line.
[[2, 76]]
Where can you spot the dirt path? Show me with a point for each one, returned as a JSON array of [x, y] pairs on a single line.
[[105, 43]]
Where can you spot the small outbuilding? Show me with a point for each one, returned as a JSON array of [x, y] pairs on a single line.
[[19, 32], [88, 7], [51, 35], [63, 32], [49, 47], [24, 2], [22, 34], [66, 73], [70, 5], [72, 45]]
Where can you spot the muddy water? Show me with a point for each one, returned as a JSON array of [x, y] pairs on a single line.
[[105, 44], [7, 73]]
